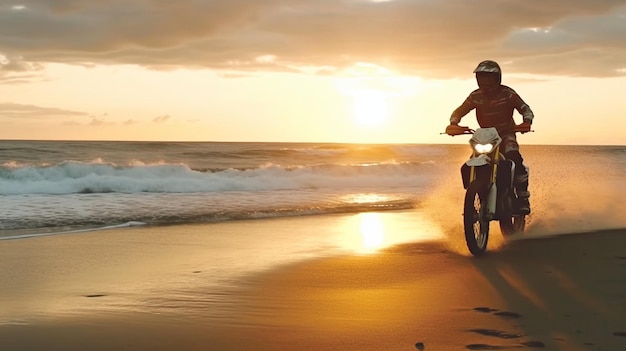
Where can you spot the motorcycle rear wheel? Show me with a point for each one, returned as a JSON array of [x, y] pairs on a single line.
[[511, 223], [475, 221], [519, 223]]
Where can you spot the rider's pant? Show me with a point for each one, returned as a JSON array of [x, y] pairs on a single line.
[[511, 151], [520, 179]]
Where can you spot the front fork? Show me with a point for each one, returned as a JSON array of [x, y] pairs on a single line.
[[491, 183]]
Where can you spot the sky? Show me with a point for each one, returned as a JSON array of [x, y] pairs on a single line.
[[362, 71]]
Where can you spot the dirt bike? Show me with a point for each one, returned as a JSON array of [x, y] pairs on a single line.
[[490, 193]]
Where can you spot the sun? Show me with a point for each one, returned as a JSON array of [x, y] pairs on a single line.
[[372, 89], [370, 108]]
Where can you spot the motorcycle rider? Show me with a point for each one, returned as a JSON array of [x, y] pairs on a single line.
[[494, 104]]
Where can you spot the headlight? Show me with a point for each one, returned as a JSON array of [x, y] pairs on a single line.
[[483, 148]]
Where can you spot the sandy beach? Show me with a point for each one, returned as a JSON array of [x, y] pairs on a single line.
[[157, 288]]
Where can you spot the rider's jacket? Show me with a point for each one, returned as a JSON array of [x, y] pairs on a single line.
[[494, 110]]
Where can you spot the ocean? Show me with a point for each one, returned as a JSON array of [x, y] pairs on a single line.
[[56, 187]]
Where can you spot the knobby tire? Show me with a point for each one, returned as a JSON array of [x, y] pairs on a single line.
[[474, 218]]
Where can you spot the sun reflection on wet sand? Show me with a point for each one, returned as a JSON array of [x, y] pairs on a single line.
[[370, 232]]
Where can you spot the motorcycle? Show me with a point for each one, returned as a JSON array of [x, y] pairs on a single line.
[[490, 192]]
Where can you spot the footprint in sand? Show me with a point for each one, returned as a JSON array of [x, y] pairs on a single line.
[[485, 347], [485, 309], [533, 344], [497, 312], [501, 334], [497, 333]]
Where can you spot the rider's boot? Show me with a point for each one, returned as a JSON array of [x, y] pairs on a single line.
[[521, 188], [524, 203]]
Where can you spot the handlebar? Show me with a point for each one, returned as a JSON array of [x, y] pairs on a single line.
[[453, 130]]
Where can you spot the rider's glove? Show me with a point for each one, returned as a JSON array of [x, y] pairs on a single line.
[[524, 127], [452, 129]]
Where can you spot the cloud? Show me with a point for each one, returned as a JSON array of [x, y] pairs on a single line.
[[16, 70], [161, 119], [99, 120], [443, 38], [11, 110]]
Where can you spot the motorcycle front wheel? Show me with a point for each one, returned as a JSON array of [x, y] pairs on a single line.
[[475, 221]]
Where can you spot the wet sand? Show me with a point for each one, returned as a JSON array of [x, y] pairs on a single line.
[[115, 291]]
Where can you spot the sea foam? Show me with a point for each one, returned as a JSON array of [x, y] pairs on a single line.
[[97, 177]]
